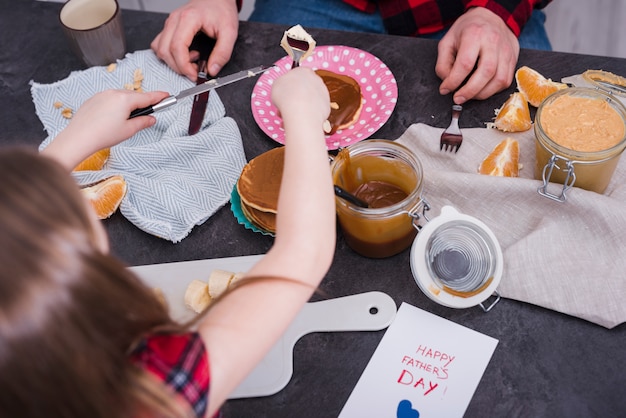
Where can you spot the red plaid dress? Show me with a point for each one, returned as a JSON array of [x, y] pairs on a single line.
[[421, 17], [181, 363]]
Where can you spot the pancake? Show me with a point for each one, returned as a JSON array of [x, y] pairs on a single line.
[[346, 100], [258, 187], [266, 221]]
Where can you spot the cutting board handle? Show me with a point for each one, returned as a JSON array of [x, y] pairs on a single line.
[[370, 311]]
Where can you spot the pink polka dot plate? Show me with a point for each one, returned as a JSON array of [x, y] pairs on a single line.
[[378, 88]]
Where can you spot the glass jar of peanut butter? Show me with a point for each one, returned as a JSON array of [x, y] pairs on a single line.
[[580, 134], [389, 177]]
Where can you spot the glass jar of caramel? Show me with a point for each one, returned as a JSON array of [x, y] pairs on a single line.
[[389, 177], [580, 134]]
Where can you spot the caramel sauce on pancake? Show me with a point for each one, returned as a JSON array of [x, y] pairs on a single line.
[[345, 98]]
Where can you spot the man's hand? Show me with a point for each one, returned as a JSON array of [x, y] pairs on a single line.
[[219, 19], [481, 44]]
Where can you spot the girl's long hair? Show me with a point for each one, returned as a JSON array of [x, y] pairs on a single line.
[[69, 314]]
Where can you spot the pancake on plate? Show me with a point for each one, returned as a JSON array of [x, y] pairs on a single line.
[[265, 221], [346, 100], [258, 187]]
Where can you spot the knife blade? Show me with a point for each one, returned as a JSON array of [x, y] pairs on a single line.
[[206, 86], [204, 45]]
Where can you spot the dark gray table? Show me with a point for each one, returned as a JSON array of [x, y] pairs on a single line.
[[546, 363]]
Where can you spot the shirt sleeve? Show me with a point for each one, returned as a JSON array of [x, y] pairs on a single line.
[[421, 17], [181, 363], [367, 6], [515, 13]]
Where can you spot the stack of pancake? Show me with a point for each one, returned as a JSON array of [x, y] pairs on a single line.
[[258, 187]]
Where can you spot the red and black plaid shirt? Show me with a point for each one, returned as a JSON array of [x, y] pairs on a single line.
[[181, 363], [421, 17]]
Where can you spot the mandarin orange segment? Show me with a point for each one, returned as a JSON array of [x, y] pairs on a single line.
[[95, 161], [105, 197], [534, 86], [503, 160], [514, 115]]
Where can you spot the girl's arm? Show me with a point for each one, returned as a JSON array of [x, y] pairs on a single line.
[[240, 329]]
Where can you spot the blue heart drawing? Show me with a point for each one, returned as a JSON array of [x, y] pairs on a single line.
[[405, 410]]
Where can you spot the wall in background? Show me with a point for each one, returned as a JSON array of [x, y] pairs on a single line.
[[587, 27], [580, 26]]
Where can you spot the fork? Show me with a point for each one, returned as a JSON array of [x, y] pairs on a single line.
[[452, 136], [299, 47]]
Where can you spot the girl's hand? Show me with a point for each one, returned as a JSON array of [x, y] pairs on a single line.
[[289, 90], [101, 122]]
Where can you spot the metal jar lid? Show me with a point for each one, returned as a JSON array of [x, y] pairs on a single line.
[[457, 261]]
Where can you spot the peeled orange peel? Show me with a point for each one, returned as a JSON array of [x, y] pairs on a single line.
[[503, 161], [514, 115], [105, 196], [534, 86], [95, 161]]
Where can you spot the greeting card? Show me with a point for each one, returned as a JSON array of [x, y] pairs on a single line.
[[425, 366]]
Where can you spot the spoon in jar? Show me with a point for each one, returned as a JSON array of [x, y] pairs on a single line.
[[349, 197]]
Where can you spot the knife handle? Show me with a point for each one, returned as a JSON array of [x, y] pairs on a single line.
[[167, 102], [199, 101], [141, 112]]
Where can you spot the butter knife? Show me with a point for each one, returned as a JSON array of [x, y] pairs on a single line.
[[204, 87], [204, 45]]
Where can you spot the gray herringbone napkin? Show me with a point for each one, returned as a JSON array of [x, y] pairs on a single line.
[[175, 181], [569, 257]]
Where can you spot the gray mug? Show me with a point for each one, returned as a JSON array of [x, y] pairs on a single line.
[[94, 29]]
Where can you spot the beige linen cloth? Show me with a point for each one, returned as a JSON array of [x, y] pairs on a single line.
[[569, 257]]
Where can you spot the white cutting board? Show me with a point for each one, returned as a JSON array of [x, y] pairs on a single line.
[[371, 311]]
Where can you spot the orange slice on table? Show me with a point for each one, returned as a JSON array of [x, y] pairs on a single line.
[[514, 115], [95, 161], [503, 160], [534, 86], [105, 197]]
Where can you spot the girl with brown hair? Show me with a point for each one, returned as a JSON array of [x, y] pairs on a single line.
[[81, 336]]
